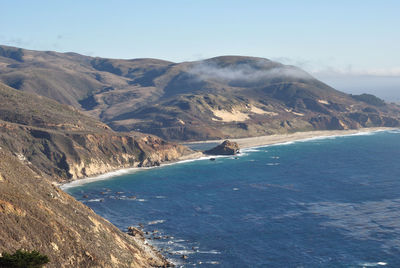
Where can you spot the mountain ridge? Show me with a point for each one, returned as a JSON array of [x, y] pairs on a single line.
[[44, 143], [62, 142], [217, 98]]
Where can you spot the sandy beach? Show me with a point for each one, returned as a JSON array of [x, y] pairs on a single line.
[[281, 138], [243, 143]]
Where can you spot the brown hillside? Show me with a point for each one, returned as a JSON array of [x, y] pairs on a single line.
[[222, 97]]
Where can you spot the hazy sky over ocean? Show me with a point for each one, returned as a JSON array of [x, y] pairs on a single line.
[[337, 41]]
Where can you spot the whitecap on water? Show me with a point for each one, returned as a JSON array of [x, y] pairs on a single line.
[[373, 264], [212, 262], [95, 200], [183, 252], [209, 252], [156, 222], [248, 150], [395, 131]]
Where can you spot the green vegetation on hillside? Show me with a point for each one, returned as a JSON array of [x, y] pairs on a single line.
[[43, 141], [370, 99], [23, 259], [12, 53]]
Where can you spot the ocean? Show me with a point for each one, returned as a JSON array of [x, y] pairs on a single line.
[[327, 202]]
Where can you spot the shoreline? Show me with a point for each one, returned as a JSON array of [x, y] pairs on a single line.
[[251, 142], [244, 143]]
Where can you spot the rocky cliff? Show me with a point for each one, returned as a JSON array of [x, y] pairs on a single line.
[[36, 215], [68, 155], [58, 141], [225, 148], [43, 142]]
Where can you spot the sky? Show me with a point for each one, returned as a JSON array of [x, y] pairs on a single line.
[[352, 45]]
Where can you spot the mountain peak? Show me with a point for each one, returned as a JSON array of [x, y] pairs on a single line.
[[222, 97]]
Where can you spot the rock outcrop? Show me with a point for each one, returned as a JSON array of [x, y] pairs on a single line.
[[68, 155], [225, 148], [43, 142], [59, 142], [36, 215]]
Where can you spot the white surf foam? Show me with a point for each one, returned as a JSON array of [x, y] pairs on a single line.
[[95, 200], [120, 172], [248, 150], [105, 176], [210, 252], [244, 152], [183, 252], [361, 133], [155, 222], [373, 264]]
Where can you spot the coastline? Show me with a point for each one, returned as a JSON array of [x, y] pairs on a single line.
[[244, 143]]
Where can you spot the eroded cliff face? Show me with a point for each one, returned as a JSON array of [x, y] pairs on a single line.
[[63, 144], [36, 215], [130, 152], [43, 142], [70, 155]]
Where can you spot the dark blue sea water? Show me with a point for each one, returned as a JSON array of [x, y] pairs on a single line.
[[332, 202]]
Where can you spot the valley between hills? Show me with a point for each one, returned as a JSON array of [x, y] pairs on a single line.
[[65, 116], [217, 98]]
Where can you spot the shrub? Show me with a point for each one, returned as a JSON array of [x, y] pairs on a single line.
[[370, 99], [23, 259]]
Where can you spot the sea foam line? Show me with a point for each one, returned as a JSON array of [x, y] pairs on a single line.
[[361, 133], [117, 173], [101, 177]]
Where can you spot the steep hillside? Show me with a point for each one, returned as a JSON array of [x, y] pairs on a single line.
[[43, 142], [60, 142], [36, 215], [223, 97]]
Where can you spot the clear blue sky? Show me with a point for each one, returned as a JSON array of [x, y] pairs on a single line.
[[353, 37]]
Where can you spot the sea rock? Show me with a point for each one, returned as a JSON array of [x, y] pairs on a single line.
[[133, 231], [225, 148], [90, 241]]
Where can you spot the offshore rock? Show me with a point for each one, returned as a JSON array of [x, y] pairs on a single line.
[[43, 142], [63, 144], [225, 148]]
